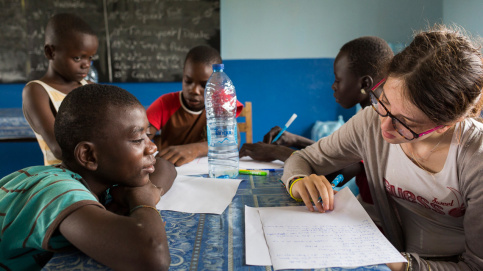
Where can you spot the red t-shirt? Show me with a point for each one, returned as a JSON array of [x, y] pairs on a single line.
[[178, 124]]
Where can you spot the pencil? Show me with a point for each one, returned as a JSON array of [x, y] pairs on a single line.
[[267, 169]]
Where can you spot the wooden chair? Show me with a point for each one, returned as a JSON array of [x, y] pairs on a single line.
[[246, 127]]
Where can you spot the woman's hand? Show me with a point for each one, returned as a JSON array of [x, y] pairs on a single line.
[[310, 188]]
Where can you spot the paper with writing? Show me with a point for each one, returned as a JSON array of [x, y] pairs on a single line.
[[299, 239]]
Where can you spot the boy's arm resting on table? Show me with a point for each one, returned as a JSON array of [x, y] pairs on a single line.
[[164, 174], [302, 142], [265, 152], [134, 242], [182, 154], [179, 154], [38, 112]]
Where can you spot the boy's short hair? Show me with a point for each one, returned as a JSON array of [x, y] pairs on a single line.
[[368, 55], [63, 25], [203, 54], [82, 114]]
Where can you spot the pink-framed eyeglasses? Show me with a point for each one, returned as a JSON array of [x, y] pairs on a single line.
[[398, 125]]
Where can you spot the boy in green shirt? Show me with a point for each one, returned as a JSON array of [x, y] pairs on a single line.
[[102, 131]]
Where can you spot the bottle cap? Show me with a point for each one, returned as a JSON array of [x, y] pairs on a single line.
[[218, 67]]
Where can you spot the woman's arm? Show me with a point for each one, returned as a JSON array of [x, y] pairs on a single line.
[[342, 148]]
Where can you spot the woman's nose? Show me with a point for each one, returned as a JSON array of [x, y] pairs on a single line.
[[386, 123]]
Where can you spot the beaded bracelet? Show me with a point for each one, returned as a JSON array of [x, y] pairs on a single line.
[[143, 206], [292, 182], [409, 266]]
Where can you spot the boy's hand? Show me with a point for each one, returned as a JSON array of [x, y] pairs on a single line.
[[125, 198], [310, 188], [265, 152], [182, 154], [164, 174], [286, 139]]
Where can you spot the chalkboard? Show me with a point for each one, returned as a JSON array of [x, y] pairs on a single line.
[[139, 40]]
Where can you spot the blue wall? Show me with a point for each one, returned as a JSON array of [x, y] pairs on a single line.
[[277, 88], [279, 54]]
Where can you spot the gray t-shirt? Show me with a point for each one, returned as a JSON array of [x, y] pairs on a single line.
[[360, 139]]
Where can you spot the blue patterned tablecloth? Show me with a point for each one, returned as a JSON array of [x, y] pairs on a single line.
[[208, 241], [14, 127]]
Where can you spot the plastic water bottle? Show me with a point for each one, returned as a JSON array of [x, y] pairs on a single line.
[[92, 75], [220, 106]]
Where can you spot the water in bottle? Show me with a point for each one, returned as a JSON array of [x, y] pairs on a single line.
[[220, 106], [92, 75]]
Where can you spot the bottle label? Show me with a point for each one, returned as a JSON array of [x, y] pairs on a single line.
[[221, 136], [222, 132]]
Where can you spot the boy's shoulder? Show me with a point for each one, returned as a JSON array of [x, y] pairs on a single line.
[[39, 176], [171, 97], [166, 102]]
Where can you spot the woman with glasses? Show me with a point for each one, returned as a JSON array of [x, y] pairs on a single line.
[[422, 148]]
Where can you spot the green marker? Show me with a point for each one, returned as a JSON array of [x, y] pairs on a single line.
[[253, 172]]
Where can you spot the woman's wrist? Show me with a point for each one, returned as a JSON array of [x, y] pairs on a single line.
[[291, 184], [409, 259]]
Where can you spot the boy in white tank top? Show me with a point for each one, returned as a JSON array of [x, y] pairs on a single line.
[[70, 44]]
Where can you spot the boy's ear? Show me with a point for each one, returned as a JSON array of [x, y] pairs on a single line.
[[85, 154], [49, 51], [366, 82]]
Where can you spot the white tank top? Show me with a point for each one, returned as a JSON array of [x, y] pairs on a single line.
[[56, 97], [430, 207]]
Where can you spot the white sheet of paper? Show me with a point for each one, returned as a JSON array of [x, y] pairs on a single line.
[[300, 239], [199, 195], [195, 167], [200, 165], [256, 249], [248, 163]]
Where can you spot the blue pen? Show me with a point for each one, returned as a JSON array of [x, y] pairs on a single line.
[[334, 183], [268, 169], [285, 127]]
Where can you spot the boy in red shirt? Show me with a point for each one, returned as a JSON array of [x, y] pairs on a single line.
[[181, 115]]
